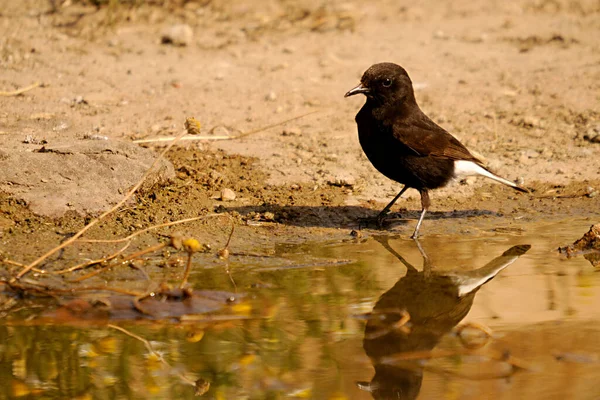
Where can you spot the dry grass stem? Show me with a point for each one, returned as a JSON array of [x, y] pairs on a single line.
[[89, 263], [186, 274], [181, 221], [186, 138], [151, 350], [196, 137], [142, 252], [21, 90]]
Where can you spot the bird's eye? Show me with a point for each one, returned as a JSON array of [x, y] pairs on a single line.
[[387, 82]]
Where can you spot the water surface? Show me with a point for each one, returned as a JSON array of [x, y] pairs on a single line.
[[360, 319]]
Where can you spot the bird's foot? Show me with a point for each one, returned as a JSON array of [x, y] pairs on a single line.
[[378, 221]]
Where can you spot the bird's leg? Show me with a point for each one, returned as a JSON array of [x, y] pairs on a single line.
[[426, 261], [386, 210], [384, 241], [425, 203]]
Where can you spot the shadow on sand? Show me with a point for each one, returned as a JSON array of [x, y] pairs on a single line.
[[349, 217]]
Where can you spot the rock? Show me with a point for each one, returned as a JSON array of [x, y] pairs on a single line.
[[525, 160], [312, 103], [291, 132], [227, 195], [84, 176], [439, 34], [177, 35], [271, 96], [342, 181], [355, 234], [469, 180], [530, 121], [268, 216], [589, 244], [592, 137]]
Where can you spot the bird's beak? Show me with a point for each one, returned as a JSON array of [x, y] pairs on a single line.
[[359, 89]]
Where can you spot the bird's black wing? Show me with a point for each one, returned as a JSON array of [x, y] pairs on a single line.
[[426, 138]]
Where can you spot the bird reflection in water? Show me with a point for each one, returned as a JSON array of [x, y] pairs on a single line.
[[414, 315]]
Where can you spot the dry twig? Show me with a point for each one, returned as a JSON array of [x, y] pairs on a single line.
[[156, 354], [241, 135], [89, 263], [21, 90], [134, 234]]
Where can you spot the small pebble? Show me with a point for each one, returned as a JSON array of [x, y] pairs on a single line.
[[343, 180], [223, 254], [439, 34], [268, 216], [591, 192], [271, 96], [469, 180], [290, 132], [177, 35], [227, 195]]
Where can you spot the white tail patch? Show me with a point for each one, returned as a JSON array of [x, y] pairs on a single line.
[[469, 281], [464, 168]]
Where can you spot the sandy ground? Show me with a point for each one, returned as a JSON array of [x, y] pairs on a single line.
[[517, 82]]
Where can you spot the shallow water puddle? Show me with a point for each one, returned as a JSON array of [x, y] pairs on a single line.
[[480, 318]]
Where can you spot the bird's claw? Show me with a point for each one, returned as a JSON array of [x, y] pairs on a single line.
[[378, 221]]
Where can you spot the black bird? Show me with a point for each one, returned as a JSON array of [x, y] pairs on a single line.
[[404, 144], [415, 314]]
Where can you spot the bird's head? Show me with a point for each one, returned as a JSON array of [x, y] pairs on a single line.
[[385, 83]]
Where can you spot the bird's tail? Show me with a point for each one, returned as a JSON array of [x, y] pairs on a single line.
[[470, 168], [472, 280]]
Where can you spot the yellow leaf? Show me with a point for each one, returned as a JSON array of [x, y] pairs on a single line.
[[194, 336], [19, 388], [242, 308], [247, 359]]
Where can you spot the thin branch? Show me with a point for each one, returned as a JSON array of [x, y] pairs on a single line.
[[152, 351], [49, 291], [21, 90], [244, 134], [91, 274], [188, 268], [18, 264], [185, 138], [181, 221], [89, 263], [264, 128], [140, 253]]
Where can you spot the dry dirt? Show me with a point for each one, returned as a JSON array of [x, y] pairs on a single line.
[[517, 82]]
